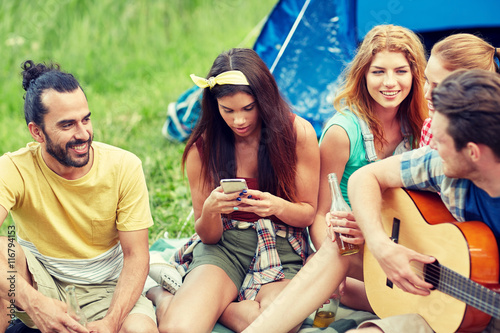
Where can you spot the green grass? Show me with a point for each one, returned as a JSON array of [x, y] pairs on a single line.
[[132, 58]]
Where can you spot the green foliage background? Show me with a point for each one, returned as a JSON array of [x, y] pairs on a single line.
[[132, 58]]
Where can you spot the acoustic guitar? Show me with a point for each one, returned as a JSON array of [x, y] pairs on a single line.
[[465, 274]]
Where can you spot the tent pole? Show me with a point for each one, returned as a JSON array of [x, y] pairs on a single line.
[[290, 34]]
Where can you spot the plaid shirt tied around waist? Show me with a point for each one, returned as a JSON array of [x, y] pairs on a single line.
[[266, 264]]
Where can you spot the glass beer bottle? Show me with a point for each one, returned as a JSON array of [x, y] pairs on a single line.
[[325, 315], [339, 205], [74, 309]]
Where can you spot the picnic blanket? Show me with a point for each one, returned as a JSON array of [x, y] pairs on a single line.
[[164, 248], [346, 318]]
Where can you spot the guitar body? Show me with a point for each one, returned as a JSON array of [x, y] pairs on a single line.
[[468, 248]]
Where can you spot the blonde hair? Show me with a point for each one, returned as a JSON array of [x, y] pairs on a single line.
[[354, 93], [466, 51]]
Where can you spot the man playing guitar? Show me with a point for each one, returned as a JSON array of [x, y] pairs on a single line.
[[462, 164]]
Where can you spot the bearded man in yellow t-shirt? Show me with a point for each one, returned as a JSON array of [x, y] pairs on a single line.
[[81, 213]]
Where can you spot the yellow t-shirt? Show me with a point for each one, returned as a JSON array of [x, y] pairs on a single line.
[[72, 225]]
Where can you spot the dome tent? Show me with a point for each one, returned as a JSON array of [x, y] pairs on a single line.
[[307, 43]]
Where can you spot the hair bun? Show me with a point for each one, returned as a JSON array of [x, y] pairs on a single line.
[[32, 71]]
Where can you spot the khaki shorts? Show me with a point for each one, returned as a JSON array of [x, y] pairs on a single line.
[[407, 323], [414, 323], [94, 299], [235, 251]]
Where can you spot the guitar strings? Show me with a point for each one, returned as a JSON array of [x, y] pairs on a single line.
[[449, 285], [483, 297], [455, 277]]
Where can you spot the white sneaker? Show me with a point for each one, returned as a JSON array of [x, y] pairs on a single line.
[[164, 273]]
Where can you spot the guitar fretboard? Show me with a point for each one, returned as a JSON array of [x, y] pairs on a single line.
[[464, 289]]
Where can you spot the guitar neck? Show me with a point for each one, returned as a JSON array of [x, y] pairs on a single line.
[[464, 289]]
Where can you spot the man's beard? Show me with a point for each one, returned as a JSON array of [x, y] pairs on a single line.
[[62, 155]]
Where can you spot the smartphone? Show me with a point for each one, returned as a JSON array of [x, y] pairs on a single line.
[[233, 185]]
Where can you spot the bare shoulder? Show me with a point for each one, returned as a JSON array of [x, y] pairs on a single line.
[[193, 161], [335, 135], [304, 130]]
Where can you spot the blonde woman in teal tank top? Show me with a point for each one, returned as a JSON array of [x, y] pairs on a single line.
[[381, 110], [384, 90]]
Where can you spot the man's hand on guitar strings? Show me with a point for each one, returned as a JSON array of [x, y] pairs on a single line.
[[396, 261]]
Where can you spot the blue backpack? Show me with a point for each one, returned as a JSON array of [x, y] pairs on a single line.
[[182, 115]]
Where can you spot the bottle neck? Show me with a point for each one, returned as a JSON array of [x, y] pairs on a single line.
[[338, 202], [334, 186]]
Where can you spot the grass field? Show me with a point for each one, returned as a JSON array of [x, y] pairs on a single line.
[[132, 58]]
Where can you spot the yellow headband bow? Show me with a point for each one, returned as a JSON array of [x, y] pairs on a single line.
[[229, 77]]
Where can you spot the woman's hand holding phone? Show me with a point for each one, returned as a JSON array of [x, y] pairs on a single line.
[[233, 185]]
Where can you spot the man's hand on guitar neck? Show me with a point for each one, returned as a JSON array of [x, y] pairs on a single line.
[[400, 264]]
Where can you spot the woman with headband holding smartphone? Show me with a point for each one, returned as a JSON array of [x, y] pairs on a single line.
[[249, 243]]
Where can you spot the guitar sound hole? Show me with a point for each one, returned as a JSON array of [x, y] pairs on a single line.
[[432, 274]]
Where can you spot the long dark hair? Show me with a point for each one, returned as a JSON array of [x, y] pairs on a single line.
[[277, 157]]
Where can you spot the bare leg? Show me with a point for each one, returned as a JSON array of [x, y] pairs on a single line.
[[138, 323], [161, 300], [238, 315], [199, 302], [354, 295], [314, 283]]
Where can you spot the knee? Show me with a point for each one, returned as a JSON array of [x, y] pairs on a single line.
[[255, 311], [177, 327], [172, 323], [142, 325], [184, 323], [241, 314]]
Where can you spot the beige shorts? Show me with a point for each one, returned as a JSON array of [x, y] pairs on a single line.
[[414, 323], [407, 323], [94, 299]]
